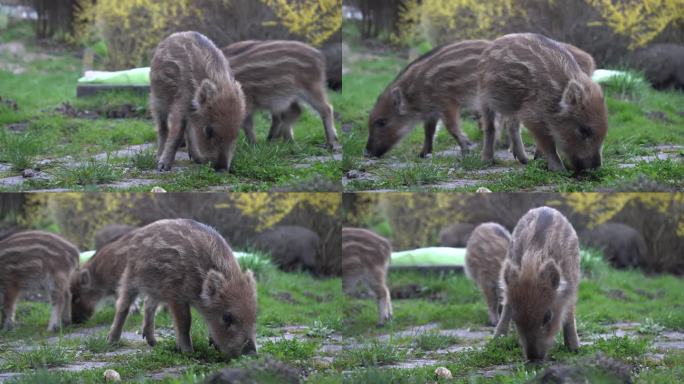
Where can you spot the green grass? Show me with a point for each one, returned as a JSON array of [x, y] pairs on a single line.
[[47, 88], [433, 340], [372, 354], [315, 304], [639, 119]]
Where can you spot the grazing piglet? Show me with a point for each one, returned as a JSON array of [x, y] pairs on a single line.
[[184, 263], [291, 247], [99, 277], [435, 86], [485, 252], [456, 235], [276, 75], [539, 278], [539, 82], [109, 233], [37, 260], [194, 95], [365, 258]]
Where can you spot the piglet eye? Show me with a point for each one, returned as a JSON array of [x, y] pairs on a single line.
[[584, 131], [228, 319], [380, 123], [547, 318]]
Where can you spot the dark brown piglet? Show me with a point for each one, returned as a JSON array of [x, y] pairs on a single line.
[[195, 96], [32, 260], [540, 277], [365, 258], [109, 233], [184, 264]]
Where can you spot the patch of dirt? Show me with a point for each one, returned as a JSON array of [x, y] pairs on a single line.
[[17, 127], [9, 103], [318, 298], [415, 291], [659, 116]]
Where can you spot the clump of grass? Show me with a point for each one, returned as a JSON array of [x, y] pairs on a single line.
[[433, 340], [19, 149], [472, 162], [592, 263], [290, 351], [319, 330], [370, 355], [415, 174], [99, 344], [259, 263], [501, 350], [90, 173], [146, 159], [45, 356], [650, 327], [628, 86], [622, 347]]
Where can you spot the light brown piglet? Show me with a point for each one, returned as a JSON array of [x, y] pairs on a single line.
[[539, 82], [195, 96], [184, 264], [365, 258], [37, 260], [485, 252], [539, 278]]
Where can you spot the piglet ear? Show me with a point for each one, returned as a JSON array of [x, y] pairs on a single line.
[[549, 274], [572, 96], [398, 99], [206, 91], [212, 285], [84, 278]]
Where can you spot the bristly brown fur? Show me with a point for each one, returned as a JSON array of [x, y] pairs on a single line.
[[540, 278], [184, 263], [277, 75], [485, 253], [541, 83], [195, 96], [365, 258], [37, 260]]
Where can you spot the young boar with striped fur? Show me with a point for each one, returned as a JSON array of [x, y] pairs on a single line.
[[194, 96], [435, 86], [365, 258], [32, 260], [539, 82], [99, 277], [109, 233], [539, 278], [184, 263], [276, 76], [485, 252]]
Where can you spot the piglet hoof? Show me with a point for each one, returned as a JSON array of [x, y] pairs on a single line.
[[161, 167], [336, 147], [423, 154], [8, 326], [522, 159], [151, 340], [556, 167]]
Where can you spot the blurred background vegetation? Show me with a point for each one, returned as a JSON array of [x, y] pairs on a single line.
[[608, 29], [413, 220], [124, 33], [239, 217]]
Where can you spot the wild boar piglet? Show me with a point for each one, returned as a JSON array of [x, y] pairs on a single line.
[[31, 260], [99, 277], [276, 75], [539, 82], [195, 96], [436, 86], [485, 252], [539, 278], [184, 264], [365, 259]]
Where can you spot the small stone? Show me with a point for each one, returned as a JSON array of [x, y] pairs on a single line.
[[27, 173], [443, 373], [112, 375], [158, 190], [483, 190]]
